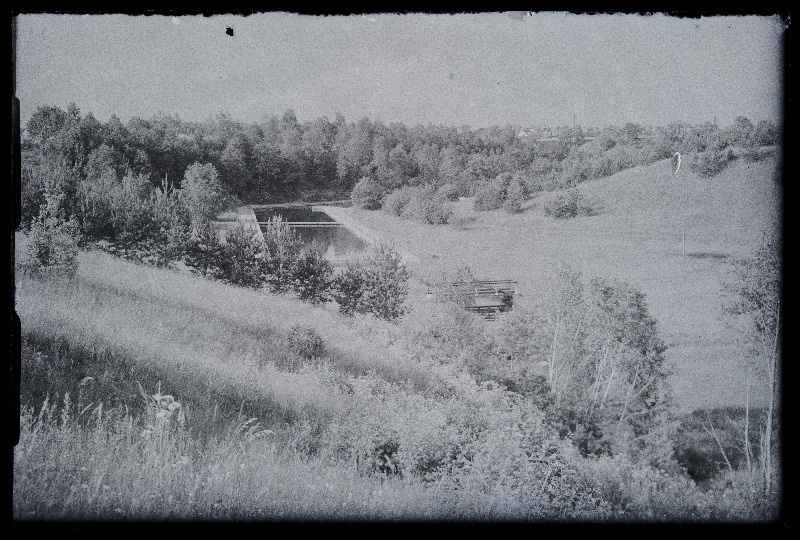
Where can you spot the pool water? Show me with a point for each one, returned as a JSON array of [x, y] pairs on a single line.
[[336, 243]]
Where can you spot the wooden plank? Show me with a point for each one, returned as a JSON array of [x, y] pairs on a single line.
[[307, 223], [488, 301], [484, 283]]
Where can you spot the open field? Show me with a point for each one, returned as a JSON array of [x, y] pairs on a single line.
[[635, 236]]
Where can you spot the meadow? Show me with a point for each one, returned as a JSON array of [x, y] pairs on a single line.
[[636, 235]]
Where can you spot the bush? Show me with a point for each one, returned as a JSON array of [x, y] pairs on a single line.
[[379, 286], [348, 289], [711, 161], [764, 134], [53, 241], [572, 205], [282, 248], [94, 206], [515, 195], [438, 211], [757, 154], [41, 175], [305, 342], [173, 225], [416, 208], [386, 283], [490, 195], [204, 252], [396, 201], [427, 206], [367, 194], [242, 260], [202, 191], [606, 141], [312, 277], [641, 492], [448, 192], [131, 216]]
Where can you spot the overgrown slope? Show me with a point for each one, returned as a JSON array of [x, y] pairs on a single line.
[[636, 235]]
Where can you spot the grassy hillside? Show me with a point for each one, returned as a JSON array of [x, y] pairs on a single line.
[[202, 331], [333, 427], [636, 235], [380, 427]]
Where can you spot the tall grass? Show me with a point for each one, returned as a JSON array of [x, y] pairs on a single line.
[[115, 466], [212, 341], [254, 311], [372, 429]]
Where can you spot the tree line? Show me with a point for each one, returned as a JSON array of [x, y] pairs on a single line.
[[280, 158]]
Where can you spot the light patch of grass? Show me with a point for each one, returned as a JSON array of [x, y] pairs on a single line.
[[257, 311]]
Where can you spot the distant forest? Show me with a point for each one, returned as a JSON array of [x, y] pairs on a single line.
[[279, 158]]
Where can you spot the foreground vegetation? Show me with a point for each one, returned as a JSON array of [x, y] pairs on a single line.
[[428, 429]]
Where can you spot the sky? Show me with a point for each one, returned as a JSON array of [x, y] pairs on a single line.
[[539, 69]]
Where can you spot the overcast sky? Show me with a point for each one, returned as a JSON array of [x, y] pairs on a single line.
[[487, 69]]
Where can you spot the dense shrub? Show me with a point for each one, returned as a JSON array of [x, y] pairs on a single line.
[[757, 154], [416, 209], [572, 205], [619, 158], [764, 134], [711, 161], [448, 192], [131, 215], [204, 251], [32, 191], [444, 330], [52, 245], [242, 261], [641, 492], [173, 226], [427, 206], [202, 192], [438, 210], [367, 194], [606, 141], [348, 288], [282, 247], [305, 342], [137, 221], [591, 161], [312, 277], [490, 195], [396, 201], [94, 206], [504, 191], [42, 175], [386, 283], [378, 286], [515, 195]]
